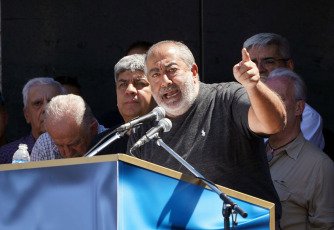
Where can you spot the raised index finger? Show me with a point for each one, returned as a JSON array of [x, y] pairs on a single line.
[[245, 55]]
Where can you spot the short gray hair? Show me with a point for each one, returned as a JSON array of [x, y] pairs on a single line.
[[299, 84], [185, 54], [129, 63], [72, 106], [265, 39], [39, 81]]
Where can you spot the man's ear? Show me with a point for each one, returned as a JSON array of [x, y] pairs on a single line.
[[26, 115], [290, 65], [300, 106], [93, 127], [194, 70]]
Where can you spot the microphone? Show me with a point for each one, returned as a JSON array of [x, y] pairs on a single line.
[[164, 125], [156, 114]]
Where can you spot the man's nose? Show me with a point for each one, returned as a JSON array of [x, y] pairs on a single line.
[[68, 152], [45, 102], [166, 81], [261, 68], [131, 89]]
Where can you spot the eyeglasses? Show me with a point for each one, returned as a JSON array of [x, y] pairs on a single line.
[[269, 63]]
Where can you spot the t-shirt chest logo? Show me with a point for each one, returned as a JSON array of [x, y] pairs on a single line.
[[203, 133]]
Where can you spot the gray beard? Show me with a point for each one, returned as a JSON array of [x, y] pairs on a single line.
[[189, 93]]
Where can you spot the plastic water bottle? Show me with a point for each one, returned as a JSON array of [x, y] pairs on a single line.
[[21, 155]]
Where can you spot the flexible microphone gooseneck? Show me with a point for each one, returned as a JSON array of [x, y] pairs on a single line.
[[164, 125], [156, 114]]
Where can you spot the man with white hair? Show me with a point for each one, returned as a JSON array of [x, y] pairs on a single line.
[[37, 93], [303, 175], [70, 126]]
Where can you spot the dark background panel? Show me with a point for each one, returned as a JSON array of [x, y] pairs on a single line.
[[86, 38]]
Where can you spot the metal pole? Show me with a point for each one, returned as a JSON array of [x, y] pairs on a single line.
[[105, 144], [222, 195]]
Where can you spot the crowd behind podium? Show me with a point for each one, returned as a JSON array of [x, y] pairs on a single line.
[[258, 129]]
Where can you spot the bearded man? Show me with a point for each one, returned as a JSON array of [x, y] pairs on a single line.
[[217, 128]]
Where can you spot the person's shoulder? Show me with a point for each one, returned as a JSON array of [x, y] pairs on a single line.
[[313, 153], [101, 136], [220, 84], [101, 128], [45, 137], [12, 146], [226, 90], [7, 151], [310, 112], [320, 160], [44, 143], [222, 87], [104, 133], [110, 118]]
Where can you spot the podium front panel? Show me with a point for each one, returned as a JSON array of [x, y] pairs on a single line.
[[150, 200], [115, 192], [80, 196]]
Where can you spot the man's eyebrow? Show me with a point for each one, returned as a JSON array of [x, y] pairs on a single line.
[[140, 79], [134, 79], [37, 100], [153, 70], [266, 58], [170, 64], [166, 66], [122, 80]]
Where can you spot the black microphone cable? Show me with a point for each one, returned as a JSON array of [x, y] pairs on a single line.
[[100, 141]]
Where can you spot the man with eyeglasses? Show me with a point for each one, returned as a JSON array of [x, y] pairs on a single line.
[[303, 175], [270, 51]]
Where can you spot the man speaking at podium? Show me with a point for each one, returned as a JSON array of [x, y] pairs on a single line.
[[217, 128]]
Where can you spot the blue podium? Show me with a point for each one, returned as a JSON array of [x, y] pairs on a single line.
[[116, 192]]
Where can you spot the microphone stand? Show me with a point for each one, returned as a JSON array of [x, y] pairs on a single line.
[[105, 144], [228, 206]]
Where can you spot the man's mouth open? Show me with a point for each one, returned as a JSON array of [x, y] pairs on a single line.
[[172, 96]]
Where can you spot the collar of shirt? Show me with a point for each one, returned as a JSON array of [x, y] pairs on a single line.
[[295, 147], [292, 150]]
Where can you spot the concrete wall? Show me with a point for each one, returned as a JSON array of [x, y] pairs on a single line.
[[86, 38]]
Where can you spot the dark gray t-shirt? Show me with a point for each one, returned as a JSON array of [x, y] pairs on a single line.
[[213, 136]]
